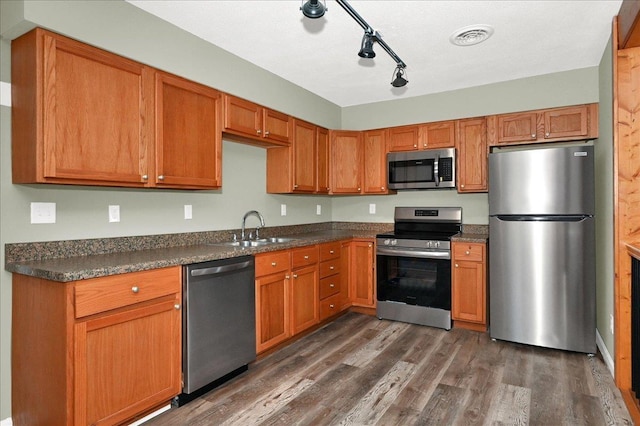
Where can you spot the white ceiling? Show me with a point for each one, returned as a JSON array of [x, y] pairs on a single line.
[[532, 37]]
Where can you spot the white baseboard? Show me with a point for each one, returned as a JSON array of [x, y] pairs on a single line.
[[608, 360], [6, 422]]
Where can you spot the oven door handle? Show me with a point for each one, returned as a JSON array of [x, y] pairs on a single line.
[[384, 251]]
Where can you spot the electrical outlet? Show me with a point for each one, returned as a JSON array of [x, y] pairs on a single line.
[[283, 209], [188, 211], [318, 209], [43, 212], [372, 209], [114, 213], [611, 324]]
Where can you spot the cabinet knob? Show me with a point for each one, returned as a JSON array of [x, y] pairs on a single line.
[[287, 277], [424, 145], [177, 306], [274, 263], [382, 188], [332, 306], [331, 268], [259, 131], [145, 177], [467, 252], [358, 188], [295, 275], [306, 258], [370, 245], [267, 133], [456, 265], [161, 177], [415, 146], [295, 186], [533, 135], [135, 289], [332, 285], [331, 252], [462, 186], [547, 134]]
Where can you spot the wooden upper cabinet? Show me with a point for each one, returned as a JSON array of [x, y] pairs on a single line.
[[547, 125], [437, 135], [80, 115], [188, 135], [346, 156], [472, 155], [375, 162], [403, 138], [244, 118], [323, 161], [304, 156], [88, 117]]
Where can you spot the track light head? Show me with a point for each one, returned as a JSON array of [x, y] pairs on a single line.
[[366, 48], [313, 9], [399, 80]]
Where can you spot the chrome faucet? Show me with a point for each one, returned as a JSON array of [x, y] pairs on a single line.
[[244, 219]]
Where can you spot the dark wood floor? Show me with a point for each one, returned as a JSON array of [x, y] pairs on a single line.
[[360, 370]]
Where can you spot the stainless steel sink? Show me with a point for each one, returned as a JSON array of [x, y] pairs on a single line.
[[279, 240], [254, 243]]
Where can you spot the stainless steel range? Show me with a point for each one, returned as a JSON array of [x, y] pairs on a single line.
[[414, 266]]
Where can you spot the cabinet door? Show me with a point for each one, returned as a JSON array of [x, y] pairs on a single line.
[[127, 362], [468, 291], [88, 116], [566, 122], [304, 157], [272, 310], [437, 135], [323, 160], [404, 138], [304, 298], [516, 127], [242, 117], [361, 273], [375, 162], [346, 153], [472, 155], [345, 275], [276, 126], [188, 135]]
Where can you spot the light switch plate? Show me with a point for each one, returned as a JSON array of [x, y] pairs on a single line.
[[283, 209], [43, 212], [318, 209], [188, 211], [114, 213], [372, 209]]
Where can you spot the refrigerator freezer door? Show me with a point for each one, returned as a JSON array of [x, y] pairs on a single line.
[[542, 181], [542, 283]]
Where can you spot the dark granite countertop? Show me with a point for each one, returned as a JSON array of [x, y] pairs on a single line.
[[65, 269], [469, 237]]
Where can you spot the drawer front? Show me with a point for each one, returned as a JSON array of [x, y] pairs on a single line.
[[329, 306], [329, 286], [330, 251], [304, 257], [329, 267], [103, 294], [468, 251], [270, 263]]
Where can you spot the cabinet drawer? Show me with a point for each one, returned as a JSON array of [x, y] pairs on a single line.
[[468, 251], [304, 257], [270, 263], [329, 267], [103, 294], [330, 251], [329, 286], [329, 306]]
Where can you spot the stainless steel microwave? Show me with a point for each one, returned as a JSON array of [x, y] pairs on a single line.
[[426, 169]]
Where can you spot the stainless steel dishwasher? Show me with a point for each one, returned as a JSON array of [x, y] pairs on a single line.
[[218, 323]]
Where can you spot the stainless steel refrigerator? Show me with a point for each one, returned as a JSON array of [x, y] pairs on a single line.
[[542, 247]]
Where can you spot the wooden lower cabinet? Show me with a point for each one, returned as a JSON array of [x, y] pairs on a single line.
[[362, 273], [304, 289], [469, 285], [331, 274], [79, 357], [272, 299]]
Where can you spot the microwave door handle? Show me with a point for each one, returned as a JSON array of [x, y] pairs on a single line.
[[436, 176]]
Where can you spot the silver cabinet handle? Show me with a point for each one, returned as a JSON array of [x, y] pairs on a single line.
[[161, 177], [135, 289]]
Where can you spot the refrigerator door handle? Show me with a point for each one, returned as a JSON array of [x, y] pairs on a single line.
[[537, 218]]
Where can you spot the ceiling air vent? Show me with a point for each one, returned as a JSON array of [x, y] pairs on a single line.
[[468, 36]]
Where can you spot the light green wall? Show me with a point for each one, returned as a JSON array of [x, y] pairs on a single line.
[[604, 202], [128, 31]]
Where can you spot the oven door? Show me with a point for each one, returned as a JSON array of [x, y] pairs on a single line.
[[414, 277]]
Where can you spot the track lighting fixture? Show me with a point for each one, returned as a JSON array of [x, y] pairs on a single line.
[[315, 9]]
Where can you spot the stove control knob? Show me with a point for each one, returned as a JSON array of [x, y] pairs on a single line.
[[394, 242], [387, 242]]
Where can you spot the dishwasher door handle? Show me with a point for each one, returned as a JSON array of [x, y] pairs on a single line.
[[220, 269]]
